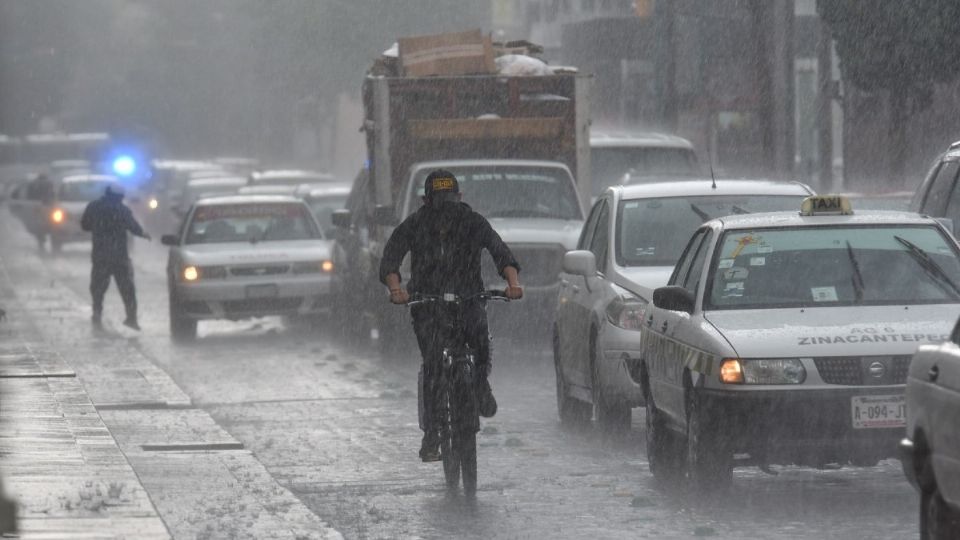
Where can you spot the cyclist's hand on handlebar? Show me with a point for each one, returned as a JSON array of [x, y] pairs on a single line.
[[513, 292], [399, 296]]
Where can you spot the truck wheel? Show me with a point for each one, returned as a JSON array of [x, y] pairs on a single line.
[[182, 328], [573, 412], [613, 416], [937, 520], [709, 462]]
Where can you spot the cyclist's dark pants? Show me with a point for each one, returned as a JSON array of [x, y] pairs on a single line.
[[122, 272], [431, 347]]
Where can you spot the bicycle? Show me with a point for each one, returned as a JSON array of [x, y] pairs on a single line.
[[456, 408]]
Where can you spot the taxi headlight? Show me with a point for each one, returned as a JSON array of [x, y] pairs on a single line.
[[58, 215], [153, 203], [626, 312], [773, 371]]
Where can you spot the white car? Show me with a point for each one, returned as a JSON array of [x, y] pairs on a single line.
[[325, 201], [628, 247], [614, 154], [211, 186], [246, 256], [71, 197], [787, 337], [930, 453]]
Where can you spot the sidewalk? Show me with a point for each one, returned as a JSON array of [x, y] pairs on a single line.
[[98, 442], [59, 461]]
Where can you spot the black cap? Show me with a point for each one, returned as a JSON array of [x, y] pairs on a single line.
[[441, 185]]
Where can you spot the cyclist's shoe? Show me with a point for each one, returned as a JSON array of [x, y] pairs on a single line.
[[429, 449], [96, 319], [488, 405], [131, 323]]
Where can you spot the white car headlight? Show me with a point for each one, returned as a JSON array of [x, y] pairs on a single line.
[[626, 311], [762, 371]]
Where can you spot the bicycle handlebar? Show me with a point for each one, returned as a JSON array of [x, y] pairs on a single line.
[[418, 298]]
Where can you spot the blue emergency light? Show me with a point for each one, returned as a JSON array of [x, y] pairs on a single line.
[[124, 166]]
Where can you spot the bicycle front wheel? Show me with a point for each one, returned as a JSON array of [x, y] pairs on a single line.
[[449, 451], [468, 460]]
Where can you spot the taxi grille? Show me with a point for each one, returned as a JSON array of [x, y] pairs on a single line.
[[540, 265], [269, 270], [856, 370]]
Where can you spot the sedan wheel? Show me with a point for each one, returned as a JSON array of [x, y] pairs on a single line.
[[613, 415], [937, 520], [182, 328], [573, 412]]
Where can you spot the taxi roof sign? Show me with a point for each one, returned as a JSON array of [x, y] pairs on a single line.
[[826, 205]]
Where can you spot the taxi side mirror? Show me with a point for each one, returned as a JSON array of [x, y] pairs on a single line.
[[580, 263], [342, 218], [169, 240], [385, 215], [673, 298]]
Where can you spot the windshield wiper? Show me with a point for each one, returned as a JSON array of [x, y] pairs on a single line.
[[857, 277], [931, 267], [739, 211], [703, 215]]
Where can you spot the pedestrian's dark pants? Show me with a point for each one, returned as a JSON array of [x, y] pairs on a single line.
[[426, 327], [122, 273]]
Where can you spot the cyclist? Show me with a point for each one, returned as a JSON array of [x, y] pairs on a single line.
[[445, 238]]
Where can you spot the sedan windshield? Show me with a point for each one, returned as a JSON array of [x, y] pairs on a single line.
[[653, 232], [513, 191], [259, 222], [834, 266], [82, 191]]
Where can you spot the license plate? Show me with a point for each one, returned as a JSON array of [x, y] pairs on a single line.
[[261, 291], [879, 411]]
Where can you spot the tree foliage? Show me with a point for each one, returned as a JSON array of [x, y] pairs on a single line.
[[904, 47]]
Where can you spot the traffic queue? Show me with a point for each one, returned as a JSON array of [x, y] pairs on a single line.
[[758, 323]]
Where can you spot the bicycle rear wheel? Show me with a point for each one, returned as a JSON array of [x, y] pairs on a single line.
[[468, 461]]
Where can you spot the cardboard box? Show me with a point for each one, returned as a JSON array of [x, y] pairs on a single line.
[[461, 53]]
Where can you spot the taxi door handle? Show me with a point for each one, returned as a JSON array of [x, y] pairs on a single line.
[[650, 321], [664, 328], [934, 373], [575, 288], [564, 283]]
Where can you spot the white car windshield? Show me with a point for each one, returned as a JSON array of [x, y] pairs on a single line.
[[833, 266], [653, 232], [252, 222], [82, 191], [512, 191]]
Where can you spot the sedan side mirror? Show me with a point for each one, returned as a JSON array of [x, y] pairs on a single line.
[[385, 215], [169, 240], [580, 263], [673, 298], [342, 218]]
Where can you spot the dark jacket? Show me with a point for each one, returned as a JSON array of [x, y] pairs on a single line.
[[445, 245], [109, 220]]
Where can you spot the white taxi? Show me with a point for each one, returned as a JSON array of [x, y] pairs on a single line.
[[246, 256], [786, 338]]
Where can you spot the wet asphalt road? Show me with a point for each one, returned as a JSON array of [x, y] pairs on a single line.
[[336, 425]]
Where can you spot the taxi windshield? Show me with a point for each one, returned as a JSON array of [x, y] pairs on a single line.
[[833, 266], [653, 232], [266, 222]]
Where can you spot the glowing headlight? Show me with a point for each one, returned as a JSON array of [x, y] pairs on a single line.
[[626, 312], [762, 371], [191, 273], [312, 267], [153, 203], [57, 216]]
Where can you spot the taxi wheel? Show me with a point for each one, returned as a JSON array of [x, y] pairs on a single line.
[[709, 463], [937, 520], [573, 412], [662, 455], [182, 328], [613, 416]]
